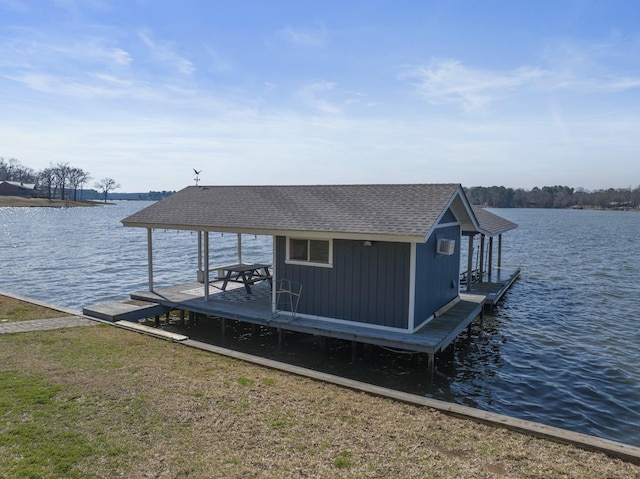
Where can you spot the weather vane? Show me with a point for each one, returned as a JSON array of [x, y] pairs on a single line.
[[197, 178]]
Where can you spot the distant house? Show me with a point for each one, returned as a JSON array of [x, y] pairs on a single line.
[[377, 256], [17, 188]]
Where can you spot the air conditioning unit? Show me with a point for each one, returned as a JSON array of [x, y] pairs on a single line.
[[446, 246]]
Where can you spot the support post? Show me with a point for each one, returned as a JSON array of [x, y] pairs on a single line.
[[490, 257], [470, 263], [150, 257], [239, 248], [206, 266], [481, 257], [430, 362], [200, 252], [182, 317], [499, 251]]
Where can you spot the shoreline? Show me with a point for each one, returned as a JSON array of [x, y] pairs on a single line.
[[612, 449], [24, 202]]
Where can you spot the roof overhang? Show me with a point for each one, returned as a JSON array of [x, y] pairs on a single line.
[[365, 236]]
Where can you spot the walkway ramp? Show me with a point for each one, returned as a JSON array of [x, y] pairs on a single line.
[[127, 310]]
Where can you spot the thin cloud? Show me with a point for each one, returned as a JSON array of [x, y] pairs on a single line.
[[304, 37], [314, 93], [451, 82], [164, 53]]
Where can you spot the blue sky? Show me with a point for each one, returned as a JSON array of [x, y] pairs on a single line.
[[482, 93]]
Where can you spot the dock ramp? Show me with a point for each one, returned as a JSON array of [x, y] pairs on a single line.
[[127, 310]]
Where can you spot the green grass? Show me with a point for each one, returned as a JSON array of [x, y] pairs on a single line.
[[37, 437], [15, 310], [102, 402]]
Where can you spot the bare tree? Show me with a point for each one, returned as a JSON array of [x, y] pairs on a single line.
[[77, 177], [12, 170], [62, 172], [46, 178], [106, 185]]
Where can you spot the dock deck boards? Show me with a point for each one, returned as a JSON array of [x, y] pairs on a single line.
[[494, 287], [431, 338]]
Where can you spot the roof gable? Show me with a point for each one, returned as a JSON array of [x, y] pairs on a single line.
[[490, 223], [397, 211]]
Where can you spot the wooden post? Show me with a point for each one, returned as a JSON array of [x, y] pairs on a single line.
[[499, 251], [150, 257], [200, 254], [182, 317], [490, 257], [481, 257], [223, 325], [206, 266], [430, 363], [157, 320], [470, 263]]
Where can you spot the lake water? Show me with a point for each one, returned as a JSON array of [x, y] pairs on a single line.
[[561, 348]]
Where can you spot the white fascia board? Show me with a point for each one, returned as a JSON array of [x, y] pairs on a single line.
[[289, 233]]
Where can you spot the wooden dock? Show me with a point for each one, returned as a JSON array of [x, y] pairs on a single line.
[[431, 338], [493, 287]]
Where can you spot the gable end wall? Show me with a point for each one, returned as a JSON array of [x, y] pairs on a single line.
[[437, 275]]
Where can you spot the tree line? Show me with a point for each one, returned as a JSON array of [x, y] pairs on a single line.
[[56, 181], [553, 197]]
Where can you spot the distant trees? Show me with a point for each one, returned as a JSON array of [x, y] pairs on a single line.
[[54, 181], [12, 170], [77, 178], [105, 185], [553, 197]]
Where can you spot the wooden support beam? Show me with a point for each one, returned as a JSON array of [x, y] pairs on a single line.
[[470, 263], [150, 257]]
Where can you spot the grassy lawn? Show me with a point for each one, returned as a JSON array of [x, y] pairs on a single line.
[[102, 402], [20, 201], [15, 310]]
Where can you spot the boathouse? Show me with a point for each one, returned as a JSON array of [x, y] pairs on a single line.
[[377, 264]]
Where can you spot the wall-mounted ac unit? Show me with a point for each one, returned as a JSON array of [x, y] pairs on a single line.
[[446, 246]]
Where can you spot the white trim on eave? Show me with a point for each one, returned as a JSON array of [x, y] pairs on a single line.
[[382, 237]]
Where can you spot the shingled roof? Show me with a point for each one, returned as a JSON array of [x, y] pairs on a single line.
[[395, 212], [492, 224]]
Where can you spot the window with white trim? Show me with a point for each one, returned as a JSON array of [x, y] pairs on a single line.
[[312, 252]]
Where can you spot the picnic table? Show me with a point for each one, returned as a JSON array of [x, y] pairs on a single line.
[[247, 274]]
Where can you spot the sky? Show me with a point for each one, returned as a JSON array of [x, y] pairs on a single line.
[[493, 92]]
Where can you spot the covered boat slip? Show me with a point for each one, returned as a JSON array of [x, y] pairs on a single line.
[[481, 277], [379, 264], [235, 304], [493, 287]]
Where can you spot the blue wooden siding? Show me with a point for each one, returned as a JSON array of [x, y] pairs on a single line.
[[367, 284], [436, 274]]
